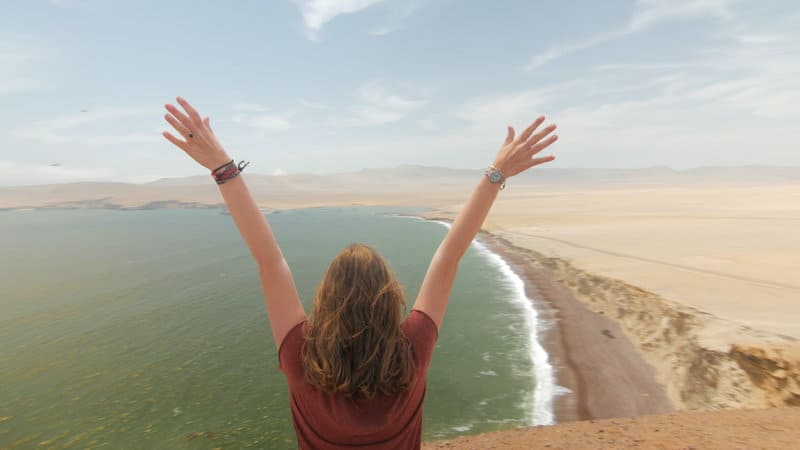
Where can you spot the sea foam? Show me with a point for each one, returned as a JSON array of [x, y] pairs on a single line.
[[539, 401]]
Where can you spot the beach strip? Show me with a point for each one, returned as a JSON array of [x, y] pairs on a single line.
[[593, 358]]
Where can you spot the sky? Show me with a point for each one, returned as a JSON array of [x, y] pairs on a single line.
[[319, 86]]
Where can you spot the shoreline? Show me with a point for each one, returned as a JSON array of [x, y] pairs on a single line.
[[546, 389], [541, 321], [588, 382], [703, 362], [590, 356]]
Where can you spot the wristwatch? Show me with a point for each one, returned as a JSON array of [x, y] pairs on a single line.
[[495, 176]]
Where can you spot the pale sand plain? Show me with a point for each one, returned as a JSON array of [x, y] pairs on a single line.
[[696, 270], [702, 279]]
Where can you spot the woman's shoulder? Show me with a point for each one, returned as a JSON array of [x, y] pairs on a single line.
[[418, 321], [421, 332], [289, 352]]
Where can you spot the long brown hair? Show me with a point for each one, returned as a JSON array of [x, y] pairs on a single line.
[[354, 345]]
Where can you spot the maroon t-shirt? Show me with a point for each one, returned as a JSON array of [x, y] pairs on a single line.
[[323, 420]]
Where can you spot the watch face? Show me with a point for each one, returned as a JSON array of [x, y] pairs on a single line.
[[494, 176]]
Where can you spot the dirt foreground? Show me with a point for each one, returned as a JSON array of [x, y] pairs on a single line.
[[777, 428]]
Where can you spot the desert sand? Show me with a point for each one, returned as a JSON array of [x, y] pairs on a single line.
[[670, 290], [701, 279], [733, 429]]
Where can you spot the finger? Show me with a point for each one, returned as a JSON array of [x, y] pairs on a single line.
[[509, 136], [178, 114], [538, 136], [543, 144], [193, 114], [177, 125], [178, 143], [207, 122], [537, 161], [528, 131]]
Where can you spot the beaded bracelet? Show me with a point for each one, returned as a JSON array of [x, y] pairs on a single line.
[[228, 171]]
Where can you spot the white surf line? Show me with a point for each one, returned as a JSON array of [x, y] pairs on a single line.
[[540, 402]]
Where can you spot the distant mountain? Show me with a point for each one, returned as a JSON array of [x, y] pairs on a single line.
[[412, 173], [409, 184]]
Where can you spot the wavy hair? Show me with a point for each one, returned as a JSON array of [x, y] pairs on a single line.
[[354, 345]]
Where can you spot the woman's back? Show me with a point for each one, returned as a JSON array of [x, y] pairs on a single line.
[[356, 371], [324, 420]]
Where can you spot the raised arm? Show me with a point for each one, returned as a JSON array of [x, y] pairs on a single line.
[[280, 294], [515, 156]]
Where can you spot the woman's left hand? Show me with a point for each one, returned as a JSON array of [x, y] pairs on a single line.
[[199, 140]]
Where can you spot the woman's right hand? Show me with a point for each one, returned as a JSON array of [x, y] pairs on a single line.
[[517, 155], [199, 141]]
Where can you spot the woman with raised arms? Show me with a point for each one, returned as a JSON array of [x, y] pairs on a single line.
[[356, 368]]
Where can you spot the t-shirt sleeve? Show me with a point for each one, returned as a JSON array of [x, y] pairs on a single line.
[[420, 329], [290, 351]]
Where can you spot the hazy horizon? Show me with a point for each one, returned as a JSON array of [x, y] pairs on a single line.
[[752, 169]]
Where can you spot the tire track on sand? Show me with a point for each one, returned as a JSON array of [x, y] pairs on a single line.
[[659, 262]]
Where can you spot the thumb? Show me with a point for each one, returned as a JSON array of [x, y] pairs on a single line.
[[509, 136], [207, 121]]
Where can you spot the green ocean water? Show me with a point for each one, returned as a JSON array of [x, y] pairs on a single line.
[[147, 329]]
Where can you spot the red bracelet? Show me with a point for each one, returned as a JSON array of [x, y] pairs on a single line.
[[228, 171]]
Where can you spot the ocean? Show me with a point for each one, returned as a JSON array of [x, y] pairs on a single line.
[[147, 328]]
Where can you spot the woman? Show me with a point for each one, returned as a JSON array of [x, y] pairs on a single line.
[[356, 370]]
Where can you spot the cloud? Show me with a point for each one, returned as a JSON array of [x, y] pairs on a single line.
[[249, 107], [22, 62], [313, 105], [377, 106], [381, 31], [261, 118], [760, 38], [644, 66], [557, 52], [263, 122], [429, 124], [71, 128], [17, 173], [646, 14], [499, 110], [316, 13], [398, 14], [732, 102]]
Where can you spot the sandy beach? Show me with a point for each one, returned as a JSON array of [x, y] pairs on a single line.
[[670, 291]]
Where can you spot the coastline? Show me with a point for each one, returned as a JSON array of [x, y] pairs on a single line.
[[590, 381], [591, 357], [718, 390], [542, 410], [703, 362], [678, 357]]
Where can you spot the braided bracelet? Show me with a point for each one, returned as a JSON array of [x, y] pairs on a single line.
[[228, 171]]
